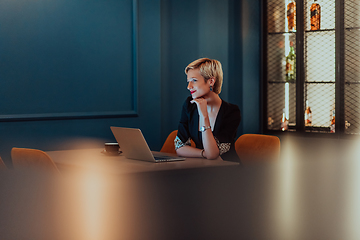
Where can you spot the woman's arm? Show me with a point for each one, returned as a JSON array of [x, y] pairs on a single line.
[[182, 141], [188, 151], [211, 150], [211, 153]]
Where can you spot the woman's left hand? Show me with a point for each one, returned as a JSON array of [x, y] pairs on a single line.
[[201, 105]]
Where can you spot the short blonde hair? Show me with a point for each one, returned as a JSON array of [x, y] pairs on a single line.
[[209, 68]]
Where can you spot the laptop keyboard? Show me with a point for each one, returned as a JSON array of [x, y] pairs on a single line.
[[161, 159], [164, 158]]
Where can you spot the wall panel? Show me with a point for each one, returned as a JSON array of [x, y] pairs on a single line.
[[59, 57]]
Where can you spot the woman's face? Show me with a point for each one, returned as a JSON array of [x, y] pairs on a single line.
[[196, 84]]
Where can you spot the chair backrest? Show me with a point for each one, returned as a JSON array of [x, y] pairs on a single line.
[[32, 159], [255, 148], [2, 165], [169, 146]]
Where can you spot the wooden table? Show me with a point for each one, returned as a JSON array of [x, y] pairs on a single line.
[[95, 159], [312, 193]]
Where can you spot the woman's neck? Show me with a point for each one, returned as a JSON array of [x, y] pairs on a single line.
[[213, 101]]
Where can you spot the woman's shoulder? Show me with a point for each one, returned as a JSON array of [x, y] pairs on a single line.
[[230, 111], [230, 107]]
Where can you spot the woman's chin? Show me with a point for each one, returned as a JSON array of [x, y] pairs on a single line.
[[200, 96], [194, 96]]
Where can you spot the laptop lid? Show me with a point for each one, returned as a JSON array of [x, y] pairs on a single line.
[[134, 146]]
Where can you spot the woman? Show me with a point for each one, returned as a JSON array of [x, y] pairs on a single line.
[[207, 119]]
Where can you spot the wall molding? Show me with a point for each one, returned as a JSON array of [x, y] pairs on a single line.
[[94, 115], [65, 116]]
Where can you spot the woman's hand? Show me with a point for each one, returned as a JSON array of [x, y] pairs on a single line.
[[201, 105]]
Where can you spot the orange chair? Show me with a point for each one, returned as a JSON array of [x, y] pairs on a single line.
[[169, 146], [256, 148], [32, 159], [2, 165]]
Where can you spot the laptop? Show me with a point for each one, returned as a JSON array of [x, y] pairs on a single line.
[[134, 146]]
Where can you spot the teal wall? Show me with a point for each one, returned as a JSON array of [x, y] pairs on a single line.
[[70, 69], [251, 66]]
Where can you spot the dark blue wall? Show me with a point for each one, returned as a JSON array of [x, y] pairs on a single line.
[[70, 69]]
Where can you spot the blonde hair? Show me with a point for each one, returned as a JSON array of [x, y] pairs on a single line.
[[209, 68]]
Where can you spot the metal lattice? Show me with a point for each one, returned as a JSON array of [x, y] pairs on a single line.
[[276, 104], [319, 62], [320, 56], [321, 97], [352, 66], [281, 95]]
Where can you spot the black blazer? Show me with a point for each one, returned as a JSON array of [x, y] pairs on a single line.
[[225, 128]]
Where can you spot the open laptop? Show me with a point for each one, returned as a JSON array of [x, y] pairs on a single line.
[[133, 145]]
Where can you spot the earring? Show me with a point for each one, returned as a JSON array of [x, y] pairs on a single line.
[[211, 88]]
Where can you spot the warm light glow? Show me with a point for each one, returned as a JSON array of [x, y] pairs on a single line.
[[352, 191], [93, 206], [286, 192]]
